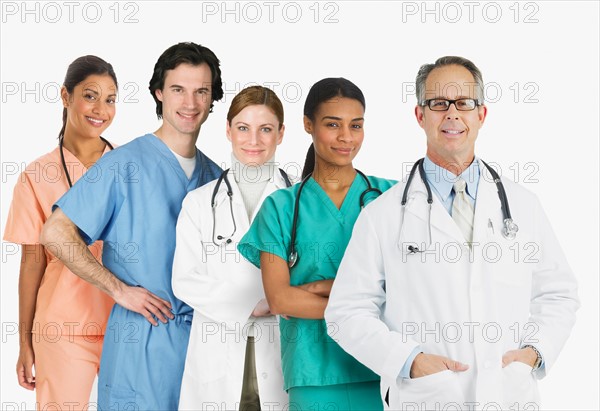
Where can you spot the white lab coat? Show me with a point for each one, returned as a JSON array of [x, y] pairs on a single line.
[[223, 288], [470, 306]]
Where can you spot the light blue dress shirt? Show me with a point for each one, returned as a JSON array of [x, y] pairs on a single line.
[[442, 181]]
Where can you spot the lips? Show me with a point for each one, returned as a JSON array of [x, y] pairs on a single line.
[[452, 132], [343, 150], [253, 152], [187, 116], [95, 121]]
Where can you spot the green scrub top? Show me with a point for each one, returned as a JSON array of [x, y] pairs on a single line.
[[309, 355]]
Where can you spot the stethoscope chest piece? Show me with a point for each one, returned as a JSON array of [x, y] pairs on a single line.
[[292, 258], [510, 229]]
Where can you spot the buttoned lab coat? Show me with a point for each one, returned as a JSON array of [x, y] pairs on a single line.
[[223, 288], [471, 305]]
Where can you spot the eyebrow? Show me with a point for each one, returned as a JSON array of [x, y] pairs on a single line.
[[91, 90], [96, 93], [446, 98], [178, 86], [340, 119], [261, 125]]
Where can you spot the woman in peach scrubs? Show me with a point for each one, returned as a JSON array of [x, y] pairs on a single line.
[[62, 318]]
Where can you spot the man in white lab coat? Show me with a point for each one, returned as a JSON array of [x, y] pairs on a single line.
[[432, 295]]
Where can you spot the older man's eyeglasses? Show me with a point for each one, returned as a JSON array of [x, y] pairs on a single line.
[[441, 104]]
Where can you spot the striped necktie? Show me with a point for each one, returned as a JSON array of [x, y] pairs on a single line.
[[462, 210]]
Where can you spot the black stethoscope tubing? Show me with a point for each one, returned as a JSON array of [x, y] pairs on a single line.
[[64, 163], [293, 256], [510, 228], [213, 203]]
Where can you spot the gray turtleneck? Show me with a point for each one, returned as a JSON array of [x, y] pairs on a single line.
[[252, 180]]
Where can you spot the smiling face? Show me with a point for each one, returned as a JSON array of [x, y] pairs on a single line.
[[451, 134], [255, 134], [91, 106], [337, 131], [186, 99]]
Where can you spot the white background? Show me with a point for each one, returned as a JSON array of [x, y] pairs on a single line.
[[539, 60]]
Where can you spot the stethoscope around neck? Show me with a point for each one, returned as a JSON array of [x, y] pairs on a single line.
[[213, 205], [509, 231], [293, 257], [64, 163]]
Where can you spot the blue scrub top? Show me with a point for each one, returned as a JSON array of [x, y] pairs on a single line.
[[131, 199], [309, 355]]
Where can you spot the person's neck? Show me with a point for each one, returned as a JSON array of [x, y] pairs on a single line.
[[332, 178], [83, 147], [252, 173], [182, 144], [455, 164]]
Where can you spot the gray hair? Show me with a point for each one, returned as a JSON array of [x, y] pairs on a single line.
[[426, 69]]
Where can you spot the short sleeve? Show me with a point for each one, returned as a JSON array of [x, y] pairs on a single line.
[[268, 233], [94, 200], [26, 215]]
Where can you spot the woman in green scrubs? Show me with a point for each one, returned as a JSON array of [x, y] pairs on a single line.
[[318, 374]]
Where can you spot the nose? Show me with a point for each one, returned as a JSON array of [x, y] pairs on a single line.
[[452, 113], [254, 137], [345, 134], [99, 107], [189, 100]]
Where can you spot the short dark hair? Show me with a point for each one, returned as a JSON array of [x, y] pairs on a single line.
[[80, 69], [188, 53], [426, 69]]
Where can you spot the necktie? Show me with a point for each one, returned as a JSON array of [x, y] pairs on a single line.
[[462, 210]]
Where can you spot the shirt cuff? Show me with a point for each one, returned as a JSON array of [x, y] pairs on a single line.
[[405, 371], [542, 365]]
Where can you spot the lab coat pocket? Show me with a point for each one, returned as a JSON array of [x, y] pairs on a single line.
[[519, 388], [117, 399], [435, 391]]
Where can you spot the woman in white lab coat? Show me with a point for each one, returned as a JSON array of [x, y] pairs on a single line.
[[233, 358]]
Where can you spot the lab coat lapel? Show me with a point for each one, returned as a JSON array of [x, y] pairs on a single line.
[[223, 219], [239, 209], [440, 219], [487, 207]]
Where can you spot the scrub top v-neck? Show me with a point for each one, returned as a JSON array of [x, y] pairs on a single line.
[[309, 355]]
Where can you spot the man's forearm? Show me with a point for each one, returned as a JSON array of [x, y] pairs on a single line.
[[62, 238]]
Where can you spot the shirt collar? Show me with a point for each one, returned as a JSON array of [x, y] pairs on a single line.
[[442, 180]]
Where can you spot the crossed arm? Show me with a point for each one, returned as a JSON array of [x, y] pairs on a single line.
[[305, 301]]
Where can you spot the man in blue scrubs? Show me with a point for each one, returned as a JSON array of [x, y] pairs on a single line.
[[131, 200]]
